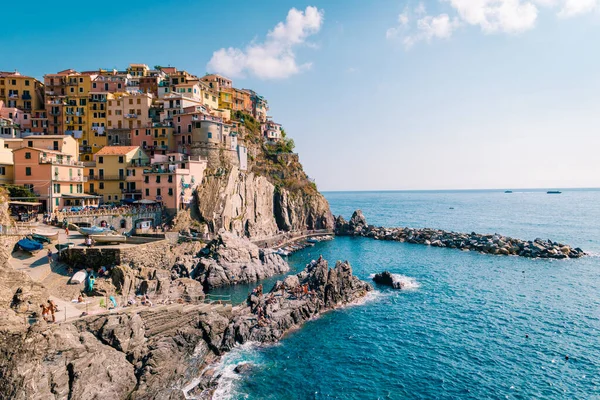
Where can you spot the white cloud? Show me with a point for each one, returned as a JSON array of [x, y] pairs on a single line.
[[491, 16], [571, 8], [430, 27], [509, 16], [274, 58]]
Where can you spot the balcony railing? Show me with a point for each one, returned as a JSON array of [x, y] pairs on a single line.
[[131, 115], [70, 178], [131, 191], [85, 149], [107, 177], [26, 96], [60, 162]]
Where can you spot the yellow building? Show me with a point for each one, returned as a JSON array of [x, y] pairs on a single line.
[[22, 92], [129, 110], [107, 176], [138, 70], [226, 98]]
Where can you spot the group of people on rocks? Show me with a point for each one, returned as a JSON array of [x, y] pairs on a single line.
[[49, 311]]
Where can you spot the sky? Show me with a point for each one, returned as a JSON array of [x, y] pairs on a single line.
[[378, 95]]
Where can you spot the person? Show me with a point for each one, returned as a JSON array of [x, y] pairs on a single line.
[[52, 308], [147, 301], [44, 312], [50, 256], [67, 231], [80, 298]]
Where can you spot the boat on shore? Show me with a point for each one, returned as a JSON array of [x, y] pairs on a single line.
[[63, 246], [49, 235], [30, 246], [92, 230], [109, 238], [553, 192]]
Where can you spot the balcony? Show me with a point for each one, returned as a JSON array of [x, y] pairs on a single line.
[[85, 149], [107, 177], [26, 96], [54, 161], [70, 178], [131, 191], [131, 116], [13, 95]]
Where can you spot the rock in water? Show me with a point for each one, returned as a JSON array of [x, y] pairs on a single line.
[[276, 314], [243, 368], [232, 259], [386, 278]]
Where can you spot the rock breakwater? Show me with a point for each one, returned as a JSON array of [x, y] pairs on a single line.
[[489, 244]]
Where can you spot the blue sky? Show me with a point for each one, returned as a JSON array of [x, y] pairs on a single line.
[[448, 94]]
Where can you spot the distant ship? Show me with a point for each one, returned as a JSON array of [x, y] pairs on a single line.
[[508, 191], [553, 192]]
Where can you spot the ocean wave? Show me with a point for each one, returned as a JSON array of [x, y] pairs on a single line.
[[228, 378]]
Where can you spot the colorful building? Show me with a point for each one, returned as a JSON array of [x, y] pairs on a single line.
[[107, 175], [22, 92], [171, 180], [6, 164]]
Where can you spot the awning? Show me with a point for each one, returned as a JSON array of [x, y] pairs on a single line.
[[24, 203], [80, 196]]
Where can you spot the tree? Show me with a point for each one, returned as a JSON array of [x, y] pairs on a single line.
[[20, 192]]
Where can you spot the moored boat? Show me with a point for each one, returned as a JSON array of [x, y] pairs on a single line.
[[64, 246], [553, 192], [40, 238]]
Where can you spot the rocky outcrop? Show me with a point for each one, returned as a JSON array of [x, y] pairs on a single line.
[[145, 355], [387, 279], [266, 318], [489, 244], [230, 259]]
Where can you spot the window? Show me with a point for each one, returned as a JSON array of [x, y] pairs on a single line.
[[109, 197], [189, 128], [71, 188], [121, 185], [2, 170], [157, 178], [26, 82], [91, 172], [139, 101], [170, 191], [121, 160], [28, 171], [30, 143], [147, 192], [209, 135], [146, 179], [158, 192], [28, 156], [94, 85], [56, 188], [101, 185], [101, 160], [170, 179]]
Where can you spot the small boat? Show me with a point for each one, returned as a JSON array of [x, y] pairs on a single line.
[[109, 238], [40, 238], [92, 230], [508, 191], [64, 246], [282, 252], [29, 245], [78, 277], [49, 235], [313, 240], [553, 192]]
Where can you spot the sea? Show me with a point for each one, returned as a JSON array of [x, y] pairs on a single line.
[[468, 326]]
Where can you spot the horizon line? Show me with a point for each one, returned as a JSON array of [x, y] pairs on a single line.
[[460, 190]]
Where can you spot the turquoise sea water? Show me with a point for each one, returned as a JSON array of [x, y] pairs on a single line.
[[461, 332]]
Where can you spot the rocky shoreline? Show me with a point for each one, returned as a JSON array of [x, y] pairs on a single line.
[[266, 318], [488, 244]]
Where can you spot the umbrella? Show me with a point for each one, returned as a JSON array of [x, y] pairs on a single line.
[[144, 201]]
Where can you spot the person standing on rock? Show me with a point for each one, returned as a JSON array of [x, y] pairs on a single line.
[[50, 256], [52, 308]]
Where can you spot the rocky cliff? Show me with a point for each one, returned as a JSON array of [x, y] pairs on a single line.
[[152, 353], [273, 194]]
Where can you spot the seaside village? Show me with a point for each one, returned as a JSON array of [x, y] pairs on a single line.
[[113, 156]]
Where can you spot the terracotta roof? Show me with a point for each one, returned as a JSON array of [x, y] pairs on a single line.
[[116, 150]]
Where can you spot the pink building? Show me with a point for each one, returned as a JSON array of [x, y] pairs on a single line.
[[171, 180]]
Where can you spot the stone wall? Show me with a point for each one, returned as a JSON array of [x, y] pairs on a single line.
[[152, 254]]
